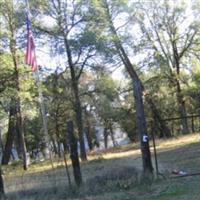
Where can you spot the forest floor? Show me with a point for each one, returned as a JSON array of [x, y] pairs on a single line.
[[113, 174]]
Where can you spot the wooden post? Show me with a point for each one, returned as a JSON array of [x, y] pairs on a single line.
[[155, 154], [192, 121], [65, 151], [2, 193], [67, 169], [198, 123], [74, 153], [154, 148], [172, 127]]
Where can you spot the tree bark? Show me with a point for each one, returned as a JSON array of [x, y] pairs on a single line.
[[59, 149], [180, 99], [1, 143], [112, 134], [77, 102], [80, 126], [142, 129], [21, 134], [74, 154], [138, 94], [19, 124], [105, 134], [19, 114], [11, 132], [89, 137], [182, 109], [58, 137], [2, 192], [55, 149], [89, 130]]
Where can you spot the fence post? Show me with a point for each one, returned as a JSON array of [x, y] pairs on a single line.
[[192, 119], [172, 128], [154, 148]]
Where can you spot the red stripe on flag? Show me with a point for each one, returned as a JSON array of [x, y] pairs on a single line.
[[30, 50]]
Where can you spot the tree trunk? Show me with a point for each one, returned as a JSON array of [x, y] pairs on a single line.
[[2, 192], [58, 138], [59, 149], [88, 135], [142, 129], [1, 176], [11, 132], [66, 146], [138, 93], [21, 134], [89, 130], [77, 102], [112, 134], [17, 143], [105, 134], [74, 154], [180, 98], [17, 98], [96, 141], [55, 149], [182, 109], [1, 142], [20, 127], [80, 126]]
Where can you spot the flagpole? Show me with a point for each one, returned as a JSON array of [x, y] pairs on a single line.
[[47, 148]]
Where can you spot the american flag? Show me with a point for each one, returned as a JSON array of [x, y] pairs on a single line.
[[30, 50]]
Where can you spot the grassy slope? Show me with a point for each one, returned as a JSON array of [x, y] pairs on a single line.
[[120, 168]]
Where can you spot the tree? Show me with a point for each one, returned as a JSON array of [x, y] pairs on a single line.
[[138, 93], [105, 103], [170, 41], [73, 37], [60, 107], [9, 17], [193, 89]]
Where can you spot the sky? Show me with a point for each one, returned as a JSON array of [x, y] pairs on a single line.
[[44, 53]]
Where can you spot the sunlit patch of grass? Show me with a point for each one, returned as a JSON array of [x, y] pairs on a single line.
[[16, 168], [102, 172], [122, 154], [131, 150], [177, 141]]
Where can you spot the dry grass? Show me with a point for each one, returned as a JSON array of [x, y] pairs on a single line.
[[112, 174]]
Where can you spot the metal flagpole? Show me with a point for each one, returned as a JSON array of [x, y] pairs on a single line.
[[46, 141], [44, 115], [47, 149]]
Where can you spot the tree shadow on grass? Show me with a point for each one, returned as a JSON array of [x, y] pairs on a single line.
[[103, 175]]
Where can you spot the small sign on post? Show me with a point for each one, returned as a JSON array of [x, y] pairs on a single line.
[[145, 138]]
